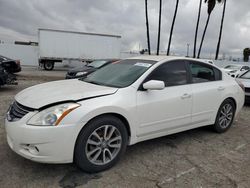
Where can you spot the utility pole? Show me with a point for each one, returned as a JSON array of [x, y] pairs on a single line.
[[188, 49]]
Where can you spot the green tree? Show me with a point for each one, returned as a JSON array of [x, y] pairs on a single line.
[[172, 27], [221, 29], [159, 29], [147, 26]]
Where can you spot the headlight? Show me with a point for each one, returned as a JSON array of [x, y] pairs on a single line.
[[81, 73], [52, 116]]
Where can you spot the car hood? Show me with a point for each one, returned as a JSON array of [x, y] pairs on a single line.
[[60, 91], [81, 69], [245, 82]]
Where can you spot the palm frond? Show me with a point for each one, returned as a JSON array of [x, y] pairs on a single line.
[[210, 5]]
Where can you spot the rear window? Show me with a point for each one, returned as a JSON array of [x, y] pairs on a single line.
[[203, 73]]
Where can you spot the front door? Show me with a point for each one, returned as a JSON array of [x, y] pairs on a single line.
[[160, 111]]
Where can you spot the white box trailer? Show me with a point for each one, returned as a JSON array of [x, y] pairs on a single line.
[[58, 45]]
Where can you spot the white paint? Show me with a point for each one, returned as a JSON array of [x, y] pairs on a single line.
[[240, 147], [177, 176]]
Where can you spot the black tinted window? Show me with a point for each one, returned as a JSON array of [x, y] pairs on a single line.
[[203, 73], [217, 74], [172, 73]]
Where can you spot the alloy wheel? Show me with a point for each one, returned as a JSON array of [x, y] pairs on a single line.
[[103, 145], [226, 116]]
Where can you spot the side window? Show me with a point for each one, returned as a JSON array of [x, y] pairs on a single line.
[[172, 73], [203, 73], [217, 74]]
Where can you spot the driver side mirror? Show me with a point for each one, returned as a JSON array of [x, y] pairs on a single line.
[[154, 85]]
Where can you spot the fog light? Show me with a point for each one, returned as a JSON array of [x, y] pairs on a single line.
[[31, 148]]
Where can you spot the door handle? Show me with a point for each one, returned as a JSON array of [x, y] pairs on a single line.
[[185, 96], [221, 88]]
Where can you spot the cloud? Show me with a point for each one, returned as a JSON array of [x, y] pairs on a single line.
[[21, 19]]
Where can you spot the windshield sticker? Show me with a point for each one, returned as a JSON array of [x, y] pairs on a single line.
[[147, 65]]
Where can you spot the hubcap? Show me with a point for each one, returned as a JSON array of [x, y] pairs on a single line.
[[103, 145], [226, 116]]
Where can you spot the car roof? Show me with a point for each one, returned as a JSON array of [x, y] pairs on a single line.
[[167, 58], [152, 57]]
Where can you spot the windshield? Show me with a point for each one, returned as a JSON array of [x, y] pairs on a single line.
[[233, 67], [246, 75], [97, 64], [2, 58], [120, 74]]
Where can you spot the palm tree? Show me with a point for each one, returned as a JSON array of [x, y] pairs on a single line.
[[197, 29], [147, 26], [172, 27], [159, 29], [210, 7], [221, 29]]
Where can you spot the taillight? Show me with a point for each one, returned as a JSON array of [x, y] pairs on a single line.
[[240, 84]]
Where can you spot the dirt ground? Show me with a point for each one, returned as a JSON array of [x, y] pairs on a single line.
[[196, 158]]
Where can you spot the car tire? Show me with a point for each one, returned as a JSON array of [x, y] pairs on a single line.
[[48, 65], [100, 144], [225, 116]]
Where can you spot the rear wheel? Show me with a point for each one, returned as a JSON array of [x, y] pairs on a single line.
[[101, 144], [48, 65], [225, 116]]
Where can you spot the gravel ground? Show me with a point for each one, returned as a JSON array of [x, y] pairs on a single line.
[[195, 158]]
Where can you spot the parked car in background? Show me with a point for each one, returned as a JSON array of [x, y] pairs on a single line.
[[91, 121], [85, 70], [208, 61], [6, 78], [235, 70], [10, 65], [245, 79]]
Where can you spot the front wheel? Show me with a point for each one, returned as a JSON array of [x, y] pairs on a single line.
[[101, 144], [225, 116]]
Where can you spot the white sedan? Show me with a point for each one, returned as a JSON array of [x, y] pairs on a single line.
[[91, 121], [235, 70]]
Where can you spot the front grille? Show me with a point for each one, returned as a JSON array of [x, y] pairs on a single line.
[[17, 111], [247, 90]]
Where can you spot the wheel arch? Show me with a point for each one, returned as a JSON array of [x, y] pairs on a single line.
[[117, 115], [233, 100]]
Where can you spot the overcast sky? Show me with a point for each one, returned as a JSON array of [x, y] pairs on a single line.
[[20, 19]]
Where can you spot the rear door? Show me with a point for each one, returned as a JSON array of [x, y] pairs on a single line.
[[207, 87]]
